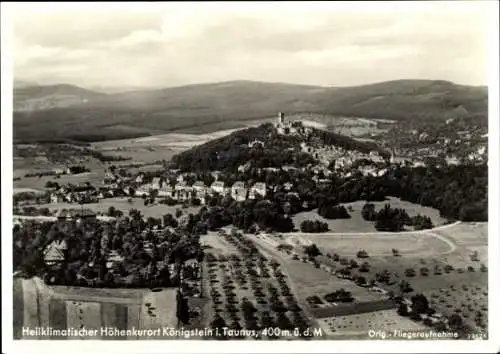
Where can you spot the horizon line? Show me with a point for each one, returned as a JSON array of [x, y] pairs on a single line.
[[33, 83]]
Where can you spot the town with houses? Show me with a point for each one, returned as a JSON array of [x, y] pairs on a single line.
[[284, 169], [159, 193], [184, 188]]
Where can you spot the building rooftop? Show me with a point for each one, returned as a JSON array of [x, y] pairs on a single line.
[[239, 184]]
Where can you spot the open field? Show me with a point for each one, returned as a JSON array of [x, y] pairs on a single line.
[[156, 210], [469, 238], [158, 310], [36, 304], [163, 140], [26, 190], [357, 224], [376, 244], [217, 245], [312, 281], [350, 126], [144, 154], [358, 326], [95, 177]]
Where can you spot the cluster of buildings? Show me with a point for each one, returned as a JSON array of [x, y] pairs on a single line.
[[181, 191], [87, 193], [341, 157]]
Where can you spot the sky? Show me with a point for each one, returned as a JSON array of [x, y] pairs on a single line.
[[172, 44]]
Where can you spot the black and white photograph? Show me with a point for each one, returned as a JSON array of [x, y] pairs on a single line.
[[287, 175]]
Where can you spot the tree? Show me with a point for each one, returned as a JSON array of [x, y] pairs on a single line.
[[474, 256], [410, 272], [182, 309], [424, 271], [420, 304], [312, 250], [420, 222], [218, 323], [365, 267], [362, 254], [361, 281], [405, 287], [329, 210], [315, 226], [389, 219], [455, 322], [111, 211], [368, 212], [403, 310]]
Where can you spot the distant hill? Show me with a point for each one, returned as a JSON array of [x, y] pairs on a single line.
[[121, 115], [24, 83], [35, 98]]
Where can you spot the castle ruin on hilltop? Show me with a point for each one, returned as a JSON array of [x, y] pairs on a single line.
[[286, 127]]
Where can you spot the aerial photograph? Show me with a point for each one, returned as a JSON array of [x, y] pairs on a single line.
[[197, 172]]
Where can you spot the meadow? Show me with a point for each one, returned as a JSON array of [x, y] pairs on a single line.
[[357, 224], [123, 204]]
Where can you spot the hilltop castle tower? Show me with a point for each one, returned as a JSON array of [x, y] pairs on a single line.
[[281, 117]]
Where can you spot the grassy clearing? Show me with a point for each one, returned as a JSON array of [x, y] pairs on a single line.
[[114, 315], [411, 208], [143, 154], [31, 304], [93, 292], [108, 317], [357, 224], [376, 244], [311, 281], [217, 245], [156, 210], [83, 315], [58, 318], [133, 318], [360, 324], [95, 177], [468, 234], [161, 311], [18, 308]]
